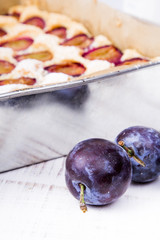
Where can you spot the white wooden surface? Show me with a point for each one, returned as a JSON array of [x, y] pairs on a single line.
[[36, 205]]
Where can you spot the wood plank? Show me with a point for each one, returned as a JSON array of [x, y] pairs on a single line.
[[35, 204]]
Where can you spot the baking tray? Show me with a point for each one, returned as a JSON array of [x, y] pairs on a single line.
[[44, 123]]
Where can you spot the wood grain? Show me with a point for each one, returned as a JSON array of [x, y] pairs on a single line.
[[35, 204]]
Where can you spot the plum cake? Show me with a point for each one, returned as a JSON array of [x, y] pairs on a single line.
[[38, 48]]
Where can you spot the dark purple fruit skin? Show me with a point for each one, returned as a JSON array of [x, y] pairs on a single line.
[[145, 143], [102, 166]]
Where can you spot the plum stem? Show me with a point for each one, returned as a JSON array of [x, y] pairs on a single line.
[[83, 206], [131, 153]]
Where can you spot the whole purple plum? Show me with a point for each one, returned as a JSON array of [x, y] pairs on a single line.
[[145, 144], [101, 167]]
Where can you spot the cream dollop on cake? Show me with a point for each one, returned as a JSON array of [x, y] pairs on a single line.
[[130, 53], [97, 65], [100, 40], [55, 78], [7, 54]]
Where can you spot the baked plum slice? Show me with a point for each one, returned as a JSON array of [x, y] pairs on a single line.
[[74, 69], [132, 61], [81, 40], [2, 32], [60, 32], [6, 67], [41, 56], [21, 80], [13, 14], [18, 44], [35, 21], [16, 15], [108, 53]]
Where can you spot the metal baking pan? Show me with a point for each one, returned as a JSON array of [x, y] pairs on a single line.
[[43, 123]]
